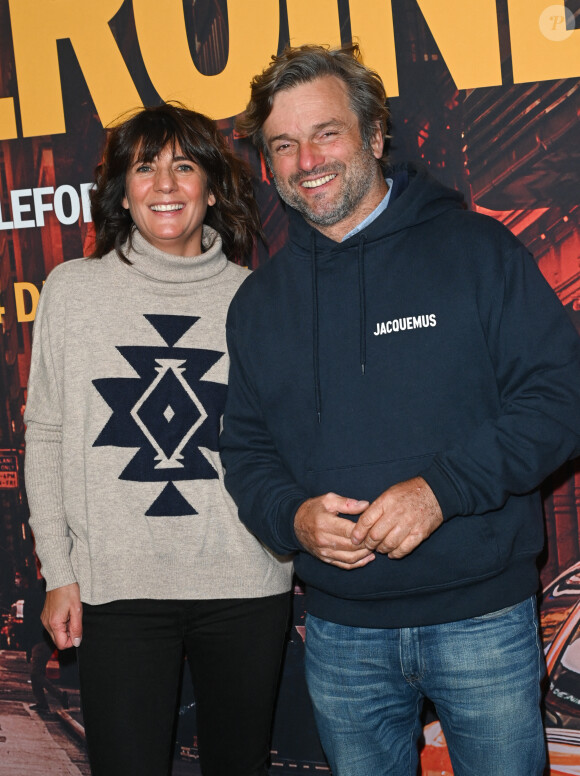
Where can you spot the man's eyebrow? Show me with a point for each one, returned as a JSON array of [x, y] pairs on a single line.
[[283, 136], [315, 128], [329, 123]]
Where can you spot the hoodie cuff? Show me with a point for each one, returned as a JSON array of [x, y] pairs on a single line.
[[285, 529], [445, 491]]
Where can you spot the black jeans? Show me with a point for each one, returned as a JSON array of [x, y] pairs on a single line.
[[130, 663]]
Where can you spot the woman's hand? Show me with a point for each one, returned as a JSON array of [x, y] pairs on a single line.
[[62, 616]]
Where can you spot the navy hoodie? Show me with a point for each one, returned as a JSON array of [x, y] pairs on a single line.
[[428, 344]]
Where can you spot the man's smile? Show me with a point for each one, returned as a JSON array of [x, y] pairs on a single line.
[[318, 181]]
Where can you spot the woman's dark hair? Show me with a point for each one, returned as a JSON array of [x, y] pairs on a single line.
[[146, 133]]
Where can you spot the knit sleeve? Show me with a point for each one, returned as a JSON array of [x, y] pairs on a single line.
[[43, 418]]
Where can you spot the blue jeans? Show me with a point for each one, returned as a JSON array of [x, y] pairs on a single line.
[[483, 674]]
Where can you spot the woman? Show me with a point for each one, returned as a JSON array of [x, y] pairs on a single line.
[[141, 548]]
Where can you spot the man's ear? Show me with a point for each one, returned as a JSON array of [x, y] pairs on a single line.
[[377, 141]]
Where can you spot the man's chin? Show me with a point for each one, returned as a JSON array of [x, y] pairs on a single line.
[[322, 218]]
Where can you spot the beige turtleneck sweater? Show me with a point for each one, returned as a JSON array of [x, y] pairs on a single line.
[[125, 397]]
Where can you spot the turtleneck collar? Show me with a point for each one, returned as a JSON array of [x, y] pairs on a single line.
[[168, 268]]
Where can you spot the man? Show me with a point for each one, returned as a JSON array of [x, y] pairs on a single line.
[[402, 380]]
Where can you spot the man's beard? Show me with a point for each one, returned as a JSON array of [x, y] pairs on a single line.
[[357, 179]]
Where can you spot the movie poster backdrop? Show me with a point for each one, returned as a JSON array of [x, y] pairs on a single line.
[[486, 93]]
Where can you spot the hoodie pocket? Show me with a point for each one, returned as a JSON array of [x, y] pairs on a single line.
[[461, 550], [365, 480]]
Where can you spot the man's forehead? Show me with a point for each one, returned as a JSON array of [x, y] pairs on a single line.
[[330, 85], [318, 103]]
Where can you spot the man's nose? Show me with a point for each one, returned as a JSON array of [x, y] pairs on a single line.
[[310, 156]]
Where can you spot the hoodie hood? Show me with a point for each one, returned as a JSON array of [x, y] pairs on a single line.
[[416, 198]]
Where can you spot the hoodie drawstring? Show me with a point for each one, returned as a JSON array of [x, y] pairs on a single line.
[[362, 303], [315, 318], [315, 335]]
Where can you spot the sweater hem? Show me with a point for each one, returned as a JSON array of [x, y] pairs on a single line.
[[511, 586]]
